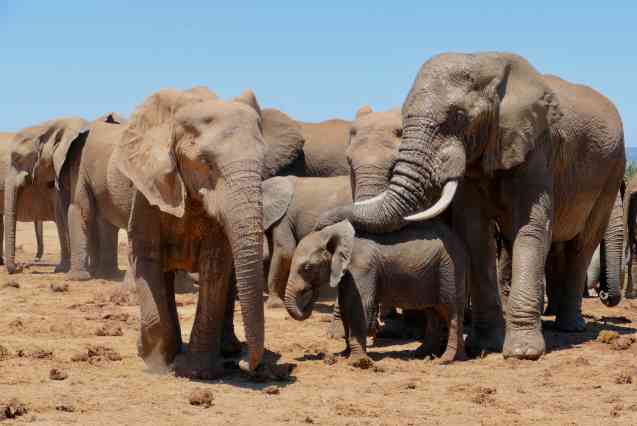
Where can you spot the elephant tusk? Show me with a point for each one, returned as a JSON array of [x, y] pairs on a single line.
[[448, 192], [370, 201]]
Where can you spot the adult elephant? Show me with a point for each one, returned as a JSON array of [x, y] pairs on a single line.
[[510, 135], [321, 153], [630, 245], [34, 164], [197, 164], [23, 214], [297, 202], [96, 197]]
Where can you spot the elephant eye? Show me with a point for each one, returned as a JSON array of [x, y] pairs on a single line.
[[352, 132], [458, 116], [308, 267], [398, 132]]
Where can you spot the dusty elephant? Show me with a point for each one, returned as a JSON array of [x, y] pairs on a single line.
[[320, 153], [34, 165], [630, 241], [5, 142], [196, 163], [421, 266], [489, 132], [95, 197]]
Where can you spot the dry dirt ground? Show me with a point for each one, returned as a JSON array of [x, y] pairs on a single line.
[[68, 355]]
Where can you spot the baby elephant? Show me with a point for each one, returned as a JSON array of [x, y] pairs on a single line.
[[420, 266]]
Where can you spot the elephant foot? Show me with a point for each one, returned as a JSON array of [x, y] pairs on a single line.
[[274, 302], [78, 276], [360, 361], [482, 340], [230, 344], [336, 330], [524, 344], [451, 355], [62, 267], [14, 268], [110, 274], [572, 322], [427, 349], [631, 294], [199, 365]]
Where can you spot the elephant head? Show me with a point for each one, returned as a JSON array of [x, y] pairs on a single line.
[[466, 114], [36, 158], [181, 148], [373, 144], [320, 257]]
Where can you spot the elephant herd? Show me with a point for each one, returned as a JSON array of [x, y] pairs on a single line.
[[490, 189]]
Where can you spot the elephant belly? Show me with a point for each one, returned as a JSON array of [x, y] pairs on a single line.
[[410, 292]]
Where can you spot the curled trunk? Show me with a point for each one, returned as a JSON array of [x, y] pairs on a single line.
[[243, 223], [413, 184], [299, 300]]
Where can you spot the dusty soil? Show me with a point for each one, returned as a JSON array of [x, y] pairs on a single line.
[[68, 355]]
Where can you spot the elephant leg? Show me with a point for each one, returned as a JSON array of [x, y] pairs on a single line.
[[434, 342], [474, 227], [505, 266], [555, 273], [83, 234], [531, 226], [2, 241], [336, 329], [203, 360], [39, 240], [568, 316], [354, 323], [453, 318], [61, 221], [230, 344], [283, 246], [107, 256], [631, 268]]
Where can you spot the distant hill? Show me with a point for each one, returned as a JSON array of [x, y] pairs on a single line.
[[631, 154]]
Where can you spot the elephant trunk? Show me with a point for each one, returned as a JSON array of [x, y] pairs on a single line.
[[414, 183], [243, 220], [611, 257], [12, 187], [299, 300], [369, 180]]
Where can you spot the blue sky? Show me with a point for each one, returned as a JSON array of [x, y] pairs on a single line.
[[314, 61]]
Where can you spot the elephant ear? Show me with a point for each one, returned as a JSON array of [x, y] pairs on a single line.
[[339, 242], [525, 108], [56, 139], [283, 141], [145, 154], [277, 195]]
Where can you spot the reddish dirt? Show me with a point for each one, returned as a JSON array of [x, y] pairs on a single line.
[[47, 328]]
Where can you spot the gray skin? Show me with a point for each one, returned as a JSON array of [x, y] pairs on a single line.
[[593, 273], [35, 159], [196, 163], [508, 135], [418, 267], [630, 245], [97, 197], [5, 141], [321, 155]]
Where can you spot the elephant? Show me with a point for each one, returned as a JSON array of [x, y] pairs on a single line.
[[5, 141], [593, 273], [320, 153], [420, 266], [96, 198], [196, 164], [542, 157], [290, 214], [34, 163], [630, 248]]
